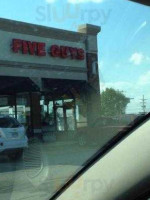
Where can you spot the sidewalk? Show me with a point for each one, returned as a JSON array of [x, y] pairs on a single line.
[[63, 143], [52, 143]]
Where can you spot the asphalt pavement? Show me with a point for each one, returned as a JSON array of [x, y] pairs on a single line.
[[44, 168]]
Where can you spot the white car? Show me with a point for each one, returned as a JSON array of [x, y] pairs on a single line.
[[13, 138]]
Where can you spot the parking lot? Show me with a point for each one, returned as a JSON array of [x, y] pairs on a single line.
[[42, 170]]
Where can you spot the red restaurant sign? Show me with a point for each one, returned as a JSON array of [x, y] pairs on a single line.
[[39, 49]]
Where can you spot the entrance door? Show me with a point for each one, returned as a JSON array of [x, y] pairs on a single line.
[[60, 118], [65, 115], [70, 119], [23, 109]]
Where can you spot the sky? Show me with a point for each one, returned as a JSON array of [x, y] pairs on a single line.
[[123, 43]]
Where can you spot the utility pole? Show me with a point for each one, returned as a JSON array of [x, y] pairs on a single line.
[[143, 102]]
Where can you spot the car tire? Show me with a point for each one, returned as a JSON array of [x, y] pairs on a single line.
[[16, 156]]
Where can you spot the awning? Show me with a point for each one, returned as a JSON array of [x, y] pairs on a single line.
[[11, 85]]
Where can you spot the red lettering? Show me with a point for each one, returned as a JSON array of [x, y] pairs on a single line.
[[64, 51], [38, 48], [55, 51], [24, 47], [73, 52], [80, 54], [16, 45], [29, 47], [32, 47], [41, 49]]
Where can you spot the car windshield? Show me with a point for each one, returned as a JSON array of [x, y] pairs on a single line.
[[74, 74], [6, 122]]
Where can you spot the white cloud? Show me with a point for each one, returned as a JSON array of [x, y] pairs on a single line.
[[84, 1], [136, 58], [144, 79], [50, 1]]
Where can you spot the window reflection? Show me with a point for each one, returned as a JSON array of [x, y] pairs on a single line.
[[68, 102]]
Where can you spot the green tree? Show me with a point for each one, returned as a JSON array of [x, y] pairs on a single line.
[[113, 102]]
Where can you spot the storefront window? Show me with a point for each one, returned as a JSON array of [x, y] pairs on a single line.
[[59, 103], [47, 113], [43, 107], [23, 109], [81, 114], [5, 109], [69, 108], [51, 113], [70, 119], [60, 119]]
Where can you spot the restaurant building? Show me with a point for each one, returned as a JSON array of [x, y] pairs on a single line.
[[49, 74]]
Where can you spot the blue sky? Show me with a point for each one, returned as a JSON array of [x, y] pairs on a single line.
[[124, 56]]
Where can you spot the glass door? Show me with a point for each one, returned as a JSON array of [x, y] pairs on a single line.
[[60, 115], [70, 114], [60, 119], [23, 109], [65, 115], [70, 119]]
